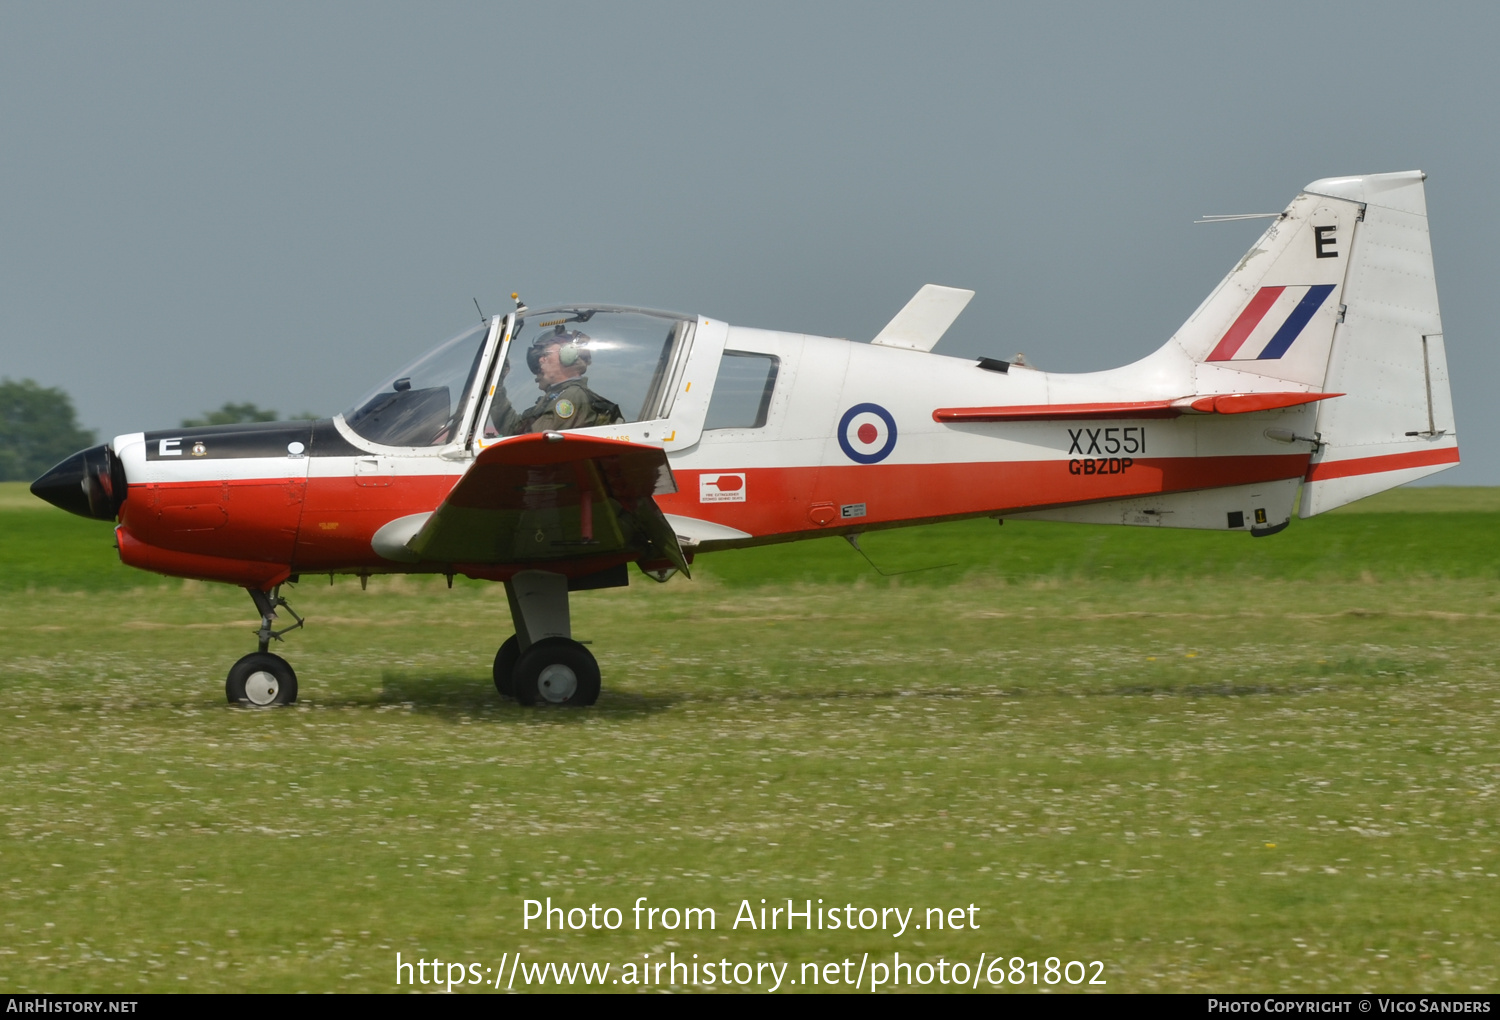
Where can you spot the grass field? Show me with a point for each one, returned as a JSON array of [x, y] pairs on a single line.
[[1210, 762]]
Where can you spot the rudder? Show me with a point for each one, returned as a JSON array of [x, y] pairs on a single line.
[[1394, 423]]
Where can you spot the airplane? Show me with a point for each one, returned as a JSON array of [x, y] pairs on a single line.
[[548, 449]]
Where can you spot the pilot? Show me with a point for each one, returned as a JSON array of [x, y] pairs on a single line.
[[560, 361]]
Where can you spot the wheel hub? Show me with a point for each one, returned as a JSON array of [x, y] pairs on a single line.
[[261, 688], [557, 683]]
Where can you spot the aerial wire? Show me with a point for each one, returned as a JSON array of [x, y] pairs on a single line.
[[853, 540], [1231, 217]]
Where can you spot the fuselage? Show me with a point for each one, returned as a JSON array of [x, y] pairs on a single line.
[[845, 438]]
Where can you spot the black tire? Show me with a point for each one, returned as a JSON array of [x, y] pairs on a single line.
[[557, 671], [505, 666], [261, 680]]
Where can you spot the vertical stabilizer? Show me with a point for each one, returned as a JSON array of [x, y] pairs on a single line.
[[1395, 422], [1270, 322]]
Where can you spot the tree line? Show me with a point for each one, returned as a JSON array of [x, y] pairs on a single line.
[[39, 427]]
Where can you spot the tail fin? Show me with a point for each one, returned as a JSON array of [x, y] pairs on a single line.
[[1395, 422], [1338, 297], [1274, 315]]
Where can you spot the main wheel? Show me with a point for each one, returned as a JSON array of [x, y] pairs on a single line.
[[262, 680], [557, 671], [505, 666]]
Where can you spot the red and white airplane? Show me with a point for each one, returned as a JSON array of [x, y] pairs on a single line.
[[1317, 364]]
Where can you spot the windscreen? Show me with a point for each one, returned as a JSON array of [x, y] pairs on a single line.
[[421, 405]]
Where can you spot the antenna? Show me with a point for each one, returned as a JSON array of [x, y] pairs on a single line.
[[1231, 217], [479, 310], [854, 541]]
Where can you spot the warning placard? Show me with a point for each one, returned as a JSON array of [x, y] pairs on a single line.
[[727, 488]]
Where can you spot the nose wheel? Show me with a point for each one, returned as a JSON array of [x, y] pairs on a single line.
[[261, 679]]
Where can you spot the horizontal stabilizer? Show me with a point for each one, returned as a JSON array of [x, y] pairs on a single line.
[[924, 320], [1218, 403]]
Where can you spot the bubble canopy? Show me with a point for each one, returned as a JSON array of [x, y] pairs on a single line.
[[627, 357]]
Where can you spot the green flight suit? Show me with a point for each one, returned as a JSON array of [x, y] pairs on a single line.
[[569, 404]]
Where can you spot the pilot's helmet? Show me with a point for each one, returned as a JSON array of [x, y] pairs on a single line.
[[572, 348]]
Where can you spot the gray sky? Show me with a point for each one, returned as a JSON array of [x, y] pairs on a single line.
[[283, 203]]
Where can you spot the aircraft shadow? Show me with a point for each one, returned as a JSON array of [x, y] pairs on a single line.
[[462, 696]]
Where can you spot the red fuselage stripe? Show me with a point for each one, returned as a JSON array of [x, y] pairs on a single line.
[[781, 501], [1374, 465]]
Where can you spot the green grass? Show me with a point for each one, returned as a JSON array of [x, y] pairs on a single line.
[[1239, 771], [1427, 499], [1389, 536], [1384, 537]]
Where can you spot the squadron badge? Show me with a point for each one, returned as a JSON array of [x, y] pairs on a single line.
[[565, 408]]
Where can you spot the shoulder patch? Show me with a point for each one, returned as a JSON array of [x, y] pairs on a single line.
[[565, 408]]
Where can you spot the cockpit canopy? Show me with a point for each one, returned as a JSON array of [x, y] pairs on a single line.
[[626, 357], [421, 405]]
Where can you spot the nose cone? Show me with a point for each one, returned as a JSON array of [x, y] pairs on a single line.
[[91, 483]]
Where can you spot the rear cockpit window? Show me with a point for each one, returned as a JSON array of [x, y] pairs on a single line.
[[742, 391]]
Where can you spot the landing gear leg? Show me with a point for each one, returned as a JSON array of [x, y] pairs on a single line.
[[549, 666], [262, 679], [266, 604]]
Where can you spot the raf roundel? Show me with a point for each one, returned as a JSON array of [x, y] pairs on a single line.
[[867, 433]]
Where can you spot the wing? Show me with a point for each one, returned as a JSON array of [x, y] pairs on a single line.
[[555, 496]]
